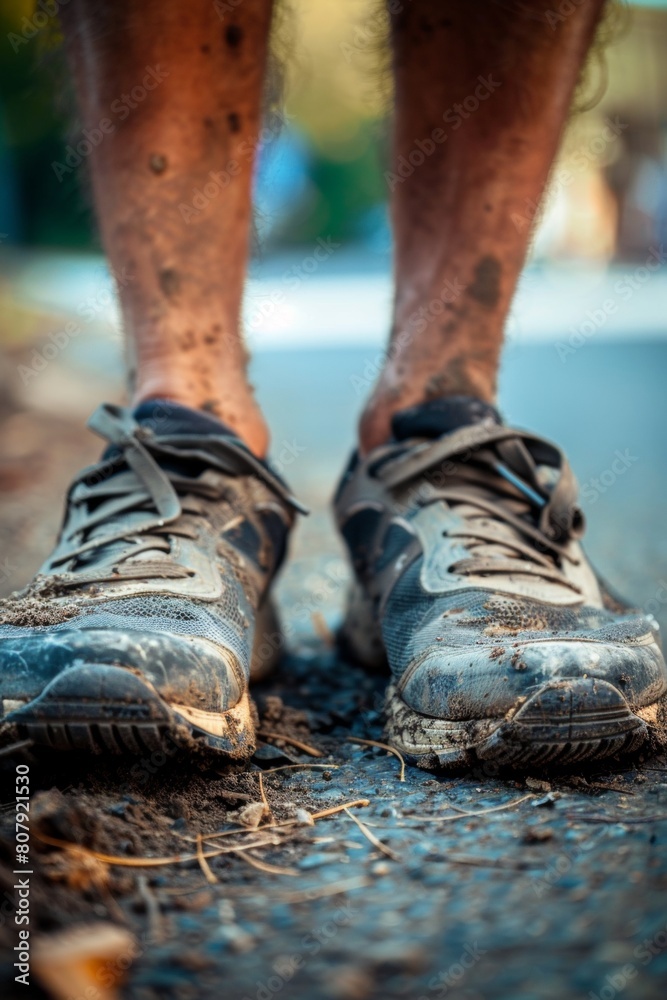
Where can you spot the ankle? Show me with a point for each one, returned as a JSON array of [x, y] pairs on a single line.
[[242, 415], [400, 389]]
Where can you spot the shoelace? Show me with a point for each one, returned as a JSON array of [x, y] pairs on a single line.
[[494, 483], [132, 486]]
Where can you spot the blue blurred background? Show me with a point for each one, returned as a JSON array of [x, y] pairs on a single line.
[[585, 358]]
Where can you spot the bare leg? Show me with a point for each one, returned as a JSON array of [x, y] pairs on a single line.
[[482, 94], [195, 130]]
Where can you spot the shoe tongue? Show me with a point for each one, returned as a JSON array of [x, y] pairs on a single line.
[[165, 418], [442, 416]]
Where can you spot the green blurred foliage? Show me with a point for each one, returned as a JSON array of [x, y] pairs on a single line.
[[342, 191], [33, 124]]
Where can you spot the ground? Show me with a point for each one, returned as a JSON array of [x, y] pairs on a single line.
[[557, 892]]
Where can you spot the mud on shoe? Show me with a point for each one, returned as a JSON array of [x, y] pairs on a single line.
[[138, 631], [471, 585]]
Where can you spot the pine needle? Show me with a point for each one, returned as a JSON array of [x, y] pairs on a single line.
[[336, 809], [21, 745], [382, 746], [464, 814], [155, 930], [313, 751], [290, 767], [372, 838], [112, 859], [306, 895], [203, 863], [265, 801], [264, 866]]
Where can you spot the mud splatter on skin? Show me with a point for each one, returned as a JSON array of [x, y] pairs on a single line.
[[233, 36], [455, 379], [158, 163], [187, 340], [170, 283], [211, 406], [449, 327], [212, 336], [485, 287]]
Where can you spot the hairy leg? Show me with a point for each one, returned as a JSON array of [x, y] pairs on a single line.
[[483, 92], [179, 89]]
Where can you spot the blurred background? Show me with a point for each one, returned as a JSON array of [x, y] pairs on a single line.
[[576, 368]]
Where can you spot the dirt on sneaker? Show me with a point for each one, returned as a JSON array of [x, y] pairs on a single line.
[[484, 884], [32, 612]]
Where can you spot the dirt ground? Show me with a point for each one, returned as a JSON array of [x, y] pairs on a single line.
[[479, 885], [490, 885]]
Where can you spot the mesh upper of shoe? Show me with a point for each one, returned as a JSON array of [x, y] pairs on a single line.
[[414, 621], [222, 622]]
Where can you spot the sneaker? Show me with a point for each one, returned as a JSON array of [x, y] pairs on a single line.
[[471, 584], [137, 633]]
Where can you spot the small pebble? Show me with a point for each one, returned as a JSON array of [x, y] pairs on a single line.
[[251, 815], [538, 785], [304, 818]]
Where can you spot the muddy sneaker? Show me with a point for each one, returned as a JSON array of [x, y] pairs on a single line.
[[470, 581], [138, 631]]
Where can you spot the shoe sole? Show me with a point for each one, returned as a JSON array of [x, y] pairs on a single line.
[[561, 723], [97, 708]]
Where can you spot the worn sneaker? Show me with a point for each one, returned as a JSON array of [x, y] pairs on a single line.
[[138, 631], [470, 582]]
